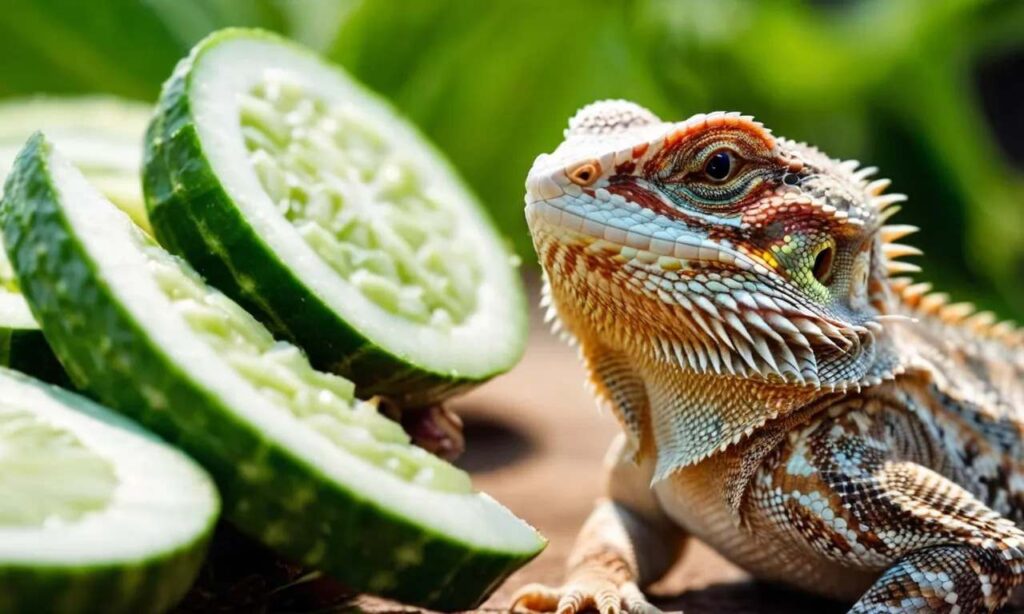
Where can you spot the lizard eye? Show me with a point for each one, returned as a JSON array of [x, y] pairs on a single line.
[[586, 173], [719, 166]]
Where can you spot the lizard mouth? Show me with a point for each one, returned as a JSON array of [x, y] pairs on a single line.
[[612, 223]]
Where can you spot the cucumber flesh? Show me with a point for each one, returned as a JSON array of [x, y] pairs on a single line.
[[95, 514], [103, 136], [302, 465], [46, 473], [281, 373], [313, 202], [359, 202]]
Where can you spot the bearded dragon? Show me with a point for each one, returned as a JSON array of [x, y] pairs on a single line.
[[786, 394]]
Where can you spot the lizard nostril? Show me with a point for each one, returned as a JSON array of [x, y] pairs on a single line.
[[586, 173]]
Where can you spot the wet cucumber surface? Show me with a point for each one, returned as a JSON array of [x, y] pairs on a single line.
[[308, 199], [302, 465]]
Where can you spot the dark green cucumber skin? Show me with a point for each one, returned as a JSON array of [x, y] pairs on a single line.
[[336, 529], [193, 216], [26, 350], [155, 585]]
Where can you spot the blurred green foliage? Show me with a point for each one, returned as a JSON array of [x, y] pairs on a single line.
[[900, 84]]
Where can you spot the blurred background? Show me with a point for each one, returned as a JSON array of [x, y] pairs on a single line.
[[931, 91]]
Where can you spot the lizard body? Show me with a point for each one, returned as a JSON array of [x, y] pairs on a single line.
[[785, 395]]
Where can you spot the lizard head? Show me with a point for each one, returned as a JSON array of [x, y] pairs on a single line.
[[712, 244]]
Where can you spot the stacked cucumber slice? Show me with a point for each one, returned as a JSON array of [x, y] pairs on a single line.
[[95, 514], [302, 465], [103, 136], [313, 203], [81, 490]]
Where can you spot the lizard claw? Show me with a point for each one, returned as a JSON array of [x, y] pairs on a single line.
[[575, 597]]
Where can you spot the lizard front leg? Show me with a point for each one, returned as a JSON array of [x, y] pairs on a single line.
[[625, 544], [959, 555], [845, 490]]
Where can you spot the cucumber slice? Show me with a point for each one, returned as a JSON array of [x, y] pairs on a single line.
[[302, 465], [22, 345], [310, 200], [103, 136], [96, 515]]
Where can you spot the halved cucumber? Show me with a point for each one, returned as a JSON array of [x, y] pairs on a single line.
[[103, 136], [309, 199], [96, 515], [302, 465]]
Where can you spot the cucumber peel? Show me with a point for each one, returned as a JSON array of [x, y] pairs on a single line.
[[317, 206], [302, 465], [81, 490]]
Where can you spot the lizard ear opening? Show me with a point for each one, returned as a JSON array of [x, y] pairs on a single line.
[[822, 269]]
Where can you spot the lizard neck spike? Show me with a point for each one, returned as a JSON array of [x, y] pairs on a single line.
[[863, 173], [894, 232], [883, 202]]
